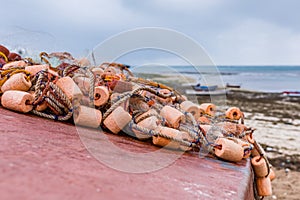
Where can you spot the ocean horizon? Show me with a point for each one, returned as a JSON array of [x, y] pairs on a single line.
[[266, 78]]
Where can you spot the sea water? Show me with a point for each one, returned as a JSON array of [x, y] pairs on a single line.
[[257, 78]]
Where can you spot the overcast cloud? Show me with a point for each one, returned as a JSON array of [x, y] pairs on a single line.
[[231, 31]]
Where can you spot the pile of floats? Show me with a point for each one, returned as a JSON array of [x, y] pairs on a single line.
[[111, 97]]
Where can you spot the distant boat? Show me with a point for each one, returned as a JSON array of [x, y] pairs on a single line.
[[291, 93], [199, 87], [228, 85]]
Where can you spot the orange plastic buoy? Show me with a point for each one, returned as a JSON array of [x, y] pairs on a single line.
[[117, 120], [259, 166], [16, 82], [17, 100], [122, 86], [149, 112], [83, 62], [244, 144], [97, 71], [173, 116], [34, 69], [233, 113], [110, 71], [164, 101], [272, 174], [203, 120], [40, 107], [20, 63], [208, 108], [164, 142], [264, 186], [148, 123], [83, 83], [86, 116], [69, 87], [191, 107], [228, 127], [101, 95], [229, 150]]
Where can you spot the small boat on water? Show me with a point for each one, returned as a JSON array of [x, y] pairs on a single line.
[[291, 93], [228, 85], [199, 87]]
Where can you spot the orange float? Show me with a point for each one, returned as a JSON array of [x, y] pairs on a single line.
[[259, 166], [233, 113], [164, 142], [101, 95], [20, 63], [229, 150], [83, 62], [34, 69], [272, 174], [208, 108], [17, 81], [164, 101], [191, 107], [264, 186], [83, 83], [245, 145], [228, 127], [203, 120], [148, 123], [17, 100], [86, 116], [117, 120], [70, 88], [149, 112], [97, 71], [173, 116]]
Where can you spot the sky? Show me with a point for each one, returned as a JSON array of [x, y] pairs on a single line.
[[232, 32]]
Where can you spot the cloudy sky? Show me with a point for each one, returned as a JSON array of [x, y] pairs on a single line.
[[233, 32]]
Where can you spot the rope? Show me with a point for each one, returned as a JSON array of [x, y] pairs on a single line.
[[154, 84], [157, 133], [149, 115], [92, 84], [4, 56]]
